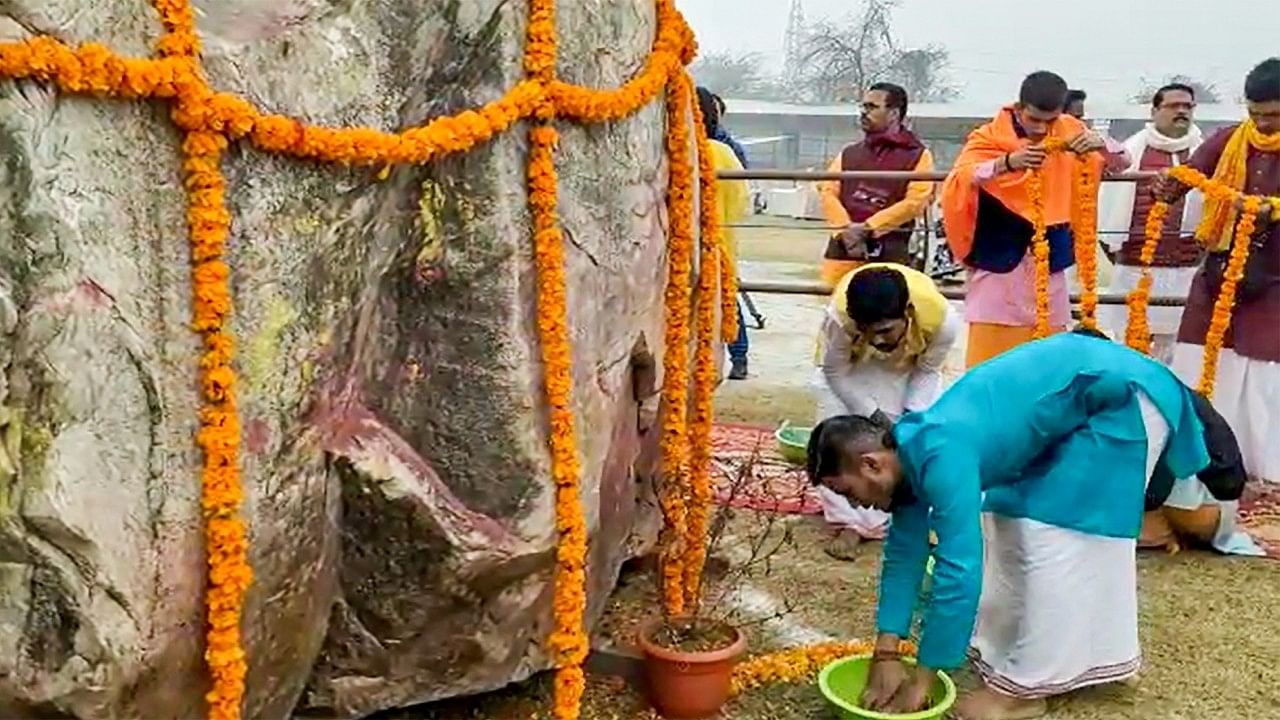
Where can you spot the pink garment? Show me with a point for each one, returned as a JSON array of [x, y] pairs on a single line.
[[1009, 298]]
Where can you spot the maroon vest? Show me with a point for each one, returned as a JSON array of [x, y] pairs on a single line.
[[863, 197], [1175, 248]]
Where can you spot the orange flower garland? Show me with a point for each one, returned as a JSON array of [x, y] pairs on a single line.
[[706, 369], [568, 641], [1084, 230], [1208, 234], [799, 663], [211, 119], [710, 214], [1225, 304], [208, 223], [675, 357], [1137, 333], [1040, 252]]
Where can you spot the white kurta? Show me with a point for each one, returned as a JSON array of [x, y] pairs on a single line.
[[1247, 394], [1164, 321], [842, 386], [1059, 608]]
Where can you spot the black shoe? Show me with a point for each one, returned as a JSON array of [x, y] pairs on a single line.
[[739, 369]]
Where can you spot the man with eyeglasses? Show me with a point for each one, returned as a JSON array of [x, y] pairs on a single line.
[[1167, 141], [873, 219]]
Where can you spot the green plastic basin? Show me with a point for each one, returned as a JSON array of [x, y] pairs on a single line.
[[793, 443], [842, 683]]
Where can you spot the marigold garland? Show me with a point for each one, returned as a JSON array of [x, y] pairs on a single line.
[[1084, 231], [1039, 252], [1207, 234], [675, 357], [208, 224], [801, 663], [1225, 303], [211, 119], [1137, 334], [706, 369]]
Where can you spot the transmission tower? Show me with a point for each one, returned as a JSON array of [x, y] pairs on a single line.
[[792, 41]]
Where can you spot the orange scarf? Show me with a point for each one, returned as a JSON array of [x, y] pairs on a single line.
[[992, 142]]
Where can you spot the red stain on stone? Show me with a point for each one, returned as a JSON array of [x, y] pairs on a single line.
[[89, 290], [427, 274], [256, 436]]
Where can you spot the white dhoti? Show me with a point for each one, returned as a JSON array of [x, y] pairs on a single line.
[[1035, 638], [1247, 394], [886, 388], [1164, 321]]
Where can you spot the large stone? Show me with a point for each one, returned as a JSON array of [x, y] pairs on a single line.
[[398, 498]]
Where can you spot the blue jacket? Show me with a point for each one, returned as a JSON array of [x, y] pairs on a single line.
[[1050, 431], [723, 136]]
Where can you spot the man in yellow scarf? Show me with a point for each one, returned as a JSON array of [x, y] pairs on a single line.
[[1245, 157], [884, 339]]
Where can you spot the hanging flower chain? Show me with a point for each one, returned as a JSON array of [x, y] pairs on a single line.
[[1137, 333], [211, 119], [1084, 230]]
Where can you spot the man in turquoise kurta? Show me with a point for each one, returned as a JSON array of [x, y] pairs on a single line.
[[1061, 435]]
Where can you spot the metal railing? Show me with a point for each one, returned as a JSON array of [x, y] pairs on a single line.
[[936, 176], [815, 288]]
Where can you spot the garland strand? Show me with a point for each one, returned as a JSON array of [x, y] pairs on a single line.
[[1040, 252], [706, 370], [1084, 231], [1137, 334], [801, 663], [568, 641], [208, 224], [675, 356], [1225, 303]]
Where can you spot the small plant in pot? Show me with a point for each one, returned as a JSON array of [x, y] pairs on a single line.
[[689, 657]]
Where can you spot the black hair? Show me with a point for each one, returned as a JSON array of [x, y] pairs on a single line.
[[1090, 332], [895, 96], [1224, 477], [1043, 90], [1262, 84], [1158, 99], [720, 106], [1076, 96], [829, 440], [877, 294], [710, 113]]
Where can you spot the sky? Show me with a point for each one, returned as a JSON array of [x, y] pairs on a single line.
[[994, 43]]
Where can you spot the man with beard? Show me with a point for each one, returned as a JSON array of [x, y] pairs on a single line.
[[885, 336], [1033, 470], [874, 219], [1168, 140], [1245, 157]]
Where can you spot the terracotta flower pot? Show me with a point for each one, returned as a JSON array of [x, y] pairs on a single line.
[[688, 685]]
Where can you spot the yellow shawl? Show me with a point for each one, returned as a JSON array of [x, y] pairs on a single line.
[[1220, 211], [926, 311]]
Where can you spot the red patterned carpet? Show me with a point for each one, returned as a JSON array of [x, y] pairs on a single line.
[[778, 486]]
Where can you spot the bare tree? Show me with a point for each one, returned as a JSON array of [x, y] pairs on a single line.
[[841, 59], [923, 73], [732, 75], [1205, 92]]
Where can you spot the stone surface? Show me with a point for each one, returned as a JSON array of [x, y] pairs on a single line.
[[400, 510]]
